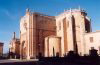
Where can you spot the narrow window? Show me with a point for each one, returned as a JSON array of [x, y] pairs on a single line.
[[59, 25], [91, 39]]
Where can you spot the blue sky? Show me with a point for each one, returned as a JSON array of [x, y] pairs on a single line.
[[12, 10]]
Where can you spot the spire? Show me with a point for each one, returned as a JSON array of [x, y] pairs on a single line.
[[27, 11], [70, 10], [14, 35], [79, 7]]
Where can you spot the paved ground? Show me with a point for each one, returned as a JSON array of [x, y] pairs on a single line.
[[36, 62], [19, 62], [16, 60]]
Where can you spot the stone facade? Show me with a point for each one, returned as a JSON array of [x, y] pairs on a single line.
[[71, 27], [14, 49], [56, 35], [92, 39], [1, 48], [34, 27], [52, 46]]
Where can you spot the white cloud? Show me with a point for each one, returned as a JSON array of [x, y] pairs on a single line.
[[8, 14]]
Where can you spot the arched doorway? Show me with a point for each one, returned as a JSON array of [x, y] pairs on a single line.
[[53, 52]]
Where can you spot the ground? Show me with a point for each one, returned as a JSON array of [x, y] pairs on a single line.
[[53, 61]]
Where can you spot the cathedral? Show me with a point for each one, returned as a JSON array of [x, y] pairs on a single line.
[[52, 35]]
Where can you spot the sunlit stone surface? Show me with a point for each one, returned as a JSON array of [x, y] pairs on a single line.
[[56, 35]]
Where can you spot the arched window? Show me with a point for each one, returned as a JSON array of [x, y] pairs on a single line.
[[91, 39], [59, 25]]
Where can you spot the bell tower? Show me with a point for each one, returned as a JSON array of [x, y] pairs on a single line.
[[14, 35]]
